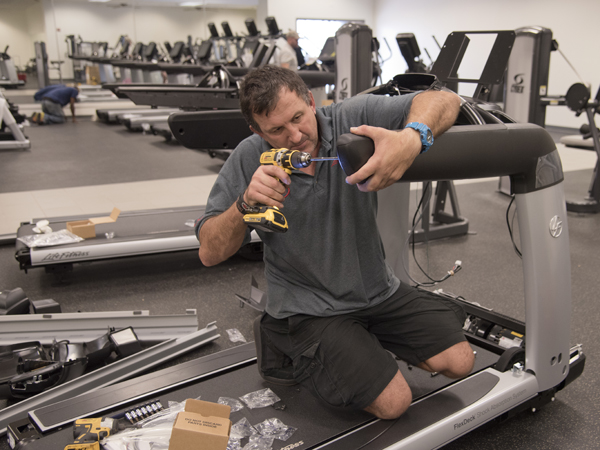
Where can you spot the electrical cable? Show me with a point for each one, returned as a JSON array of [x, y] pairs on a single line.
[[510, 231], [418, 216], [572, 67]]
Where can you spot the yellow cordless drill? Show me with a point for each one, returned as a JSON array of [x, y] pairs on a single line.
[[269, 218], [88, 432], [353, 152]]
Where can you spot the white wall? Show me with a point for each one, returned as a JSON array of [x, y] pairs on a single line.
[[19, 29], [574, 25], [286, 12], [104, 23]]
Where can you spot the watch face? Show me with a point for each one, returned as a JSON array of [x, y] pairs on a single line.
[[429, 136]]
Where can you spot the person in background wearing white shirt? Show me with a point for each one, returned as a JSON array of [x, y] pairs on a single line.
[[285, 56]]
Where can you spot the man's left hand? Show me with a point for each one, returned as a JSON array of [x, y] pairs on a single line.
[[394, 153]]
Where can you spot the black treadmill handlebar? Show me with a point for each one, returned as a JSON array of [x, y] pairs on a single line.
[[524, 151]]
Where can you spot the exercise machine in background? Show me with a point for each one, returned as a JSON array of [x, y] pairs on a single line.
[[578, 100], [41, 64], [11, 132], [9, 78], [445, 69]]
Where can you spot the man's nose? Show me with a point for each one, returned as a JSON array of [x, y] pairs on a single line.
[[295, 135]]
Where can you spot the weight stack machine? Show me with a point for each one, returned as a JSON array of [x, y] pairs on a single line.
[[526, 80], [354, 60], [527, 75], [41, 64]]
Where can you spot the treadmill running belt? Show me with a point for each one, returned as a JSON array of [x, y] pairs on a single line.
[[315, 422]]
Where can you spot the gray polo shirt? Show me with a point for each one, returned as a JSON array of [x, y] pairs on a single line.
[[331, 260]]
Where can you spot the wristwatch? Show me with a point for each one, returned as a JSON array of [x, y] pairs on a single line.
[[424, 132], [244, 207]]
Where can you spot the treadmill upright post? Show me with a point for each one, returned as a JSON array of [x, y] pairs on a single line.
[[543, 227]]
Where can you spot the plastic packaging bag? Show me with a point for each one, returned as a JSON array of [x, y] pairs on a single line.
[[241, 429], [260, 399], [155, 438], [235, 335], [233, 403], [259, 443], [275, 428], [234, 444], [59, 237], [152, 433]]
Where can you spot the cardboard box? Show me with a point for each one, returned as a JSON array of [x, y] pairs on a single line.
[[87, 228], [202, 426], [92, 75]]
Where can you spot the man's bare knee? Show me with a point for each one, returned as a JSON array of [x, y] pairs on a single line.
[[393, 401], [455, 362], [462, 362]]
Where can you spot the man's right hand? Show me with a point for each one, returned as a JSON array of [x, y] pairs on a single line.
[[269, 186]]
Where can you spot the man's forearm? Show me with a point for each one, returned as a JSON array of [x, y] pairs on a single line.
[[221, 236], [436, 109]]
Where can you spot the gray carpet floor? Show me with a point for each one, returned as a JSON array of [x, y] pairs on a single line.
[[88, 153]]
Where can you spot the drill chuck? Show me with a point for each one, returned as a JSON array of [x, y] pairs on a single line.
[[300, 160]]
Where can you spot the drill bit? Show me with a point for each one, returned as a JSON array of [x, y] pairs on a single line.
[[325, 158]]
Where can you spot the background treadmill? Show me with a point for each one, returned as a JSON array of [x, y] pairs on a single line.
[[134, 233]]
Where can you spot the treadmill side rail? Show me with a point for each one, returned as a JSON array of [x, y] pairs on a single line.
[[419, 427], [49, 255], [86, 326], [512, 389]]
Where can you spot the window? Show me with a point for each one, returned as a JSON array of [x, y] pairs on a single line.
[[314, 33]]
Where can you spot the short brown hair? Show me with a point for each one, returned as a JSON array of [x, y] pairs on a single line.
[[259, 91]]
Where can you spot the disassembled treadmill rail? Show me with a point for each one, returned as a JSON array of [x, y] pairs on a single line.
[[118, 371], [85, 326]]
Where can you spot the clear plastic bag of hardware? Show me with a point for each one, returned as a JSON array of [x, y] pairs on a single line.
[[59, 237], [235, 335], [259, 443], [241, 429], [260, 399], [151, 433], [275, 429], [233, 403]]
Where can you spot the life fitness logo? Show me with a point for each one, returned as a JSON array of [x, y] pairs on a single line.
[[344, 89], [518, 87], [556, 227]]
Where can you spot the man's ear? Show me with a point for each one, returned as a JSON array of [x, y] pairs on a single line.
[[256, 132], [313, 104]]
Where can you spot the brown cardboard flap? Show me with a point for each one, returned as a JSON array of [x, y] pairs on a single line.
[[82, 228], [107, 219], [207, 409]]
